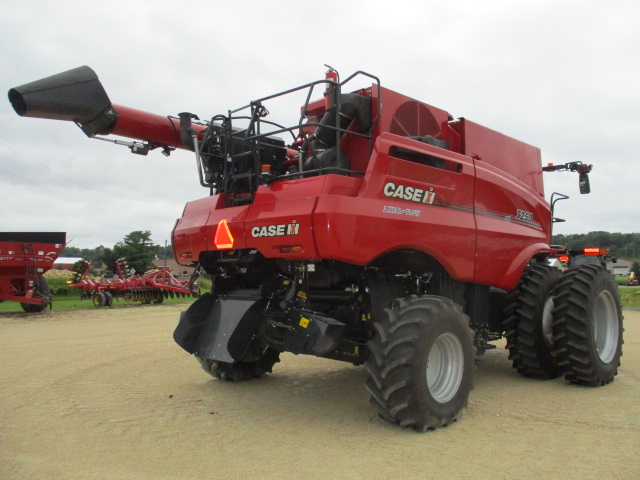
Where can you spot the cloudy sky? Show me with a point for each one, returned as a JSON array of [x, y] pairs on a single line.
[[559, 75]]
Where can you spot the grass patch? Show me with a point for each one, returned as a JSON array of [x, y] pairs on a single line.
[[629, 296], [69, 298], [63, 303]]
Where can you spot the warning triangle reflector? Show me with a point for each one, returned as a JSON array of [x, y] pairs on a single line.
[[223, 238]]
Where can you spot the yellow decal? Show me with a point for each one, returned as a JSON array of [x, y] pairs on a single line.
[[304, 322], [357, 350], [302, 295]]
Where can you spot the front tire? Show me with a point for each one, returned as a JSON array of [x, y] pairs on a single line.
[[421, 362], [587, 326]]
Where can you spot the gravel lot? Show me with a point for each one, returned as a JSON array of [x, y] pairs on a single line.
[[106, 394]]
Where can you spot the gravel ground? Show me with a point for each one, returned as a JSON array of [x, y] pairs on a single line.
[[106, 394]]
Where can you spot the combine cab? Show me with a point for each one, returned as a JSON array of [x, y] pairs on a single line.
[[24, 258], [372, 229]]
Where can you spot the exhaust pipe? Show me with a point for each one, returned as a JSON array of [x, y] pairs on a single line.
[[75, 95]]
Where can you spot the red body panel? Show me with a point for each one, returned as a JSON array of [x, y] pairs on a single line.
[[479, 212], [358, 230], [513, 219]]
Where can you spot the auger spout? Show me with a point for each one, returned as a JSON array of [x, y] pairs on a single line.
[[78, 96]]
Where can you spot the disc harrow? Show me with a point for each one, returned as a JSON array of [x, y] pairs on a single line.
[[153, 287]]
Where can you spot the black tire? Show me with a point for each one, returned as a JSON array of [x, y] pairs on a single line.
[[42, 291], [99, 300], [587, 326], [108, 299], [421, 362], [528, 320], [241, 371]]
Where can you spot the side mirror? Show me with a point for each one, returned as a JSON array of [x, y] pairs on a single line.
[[583, 182]]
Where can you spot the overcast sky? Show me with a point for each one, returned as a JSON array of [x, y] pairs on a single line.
[[560, 75]]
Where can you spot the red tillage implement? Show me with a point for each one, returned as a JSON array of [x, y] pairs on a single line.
[[24, 258], [153, 286]]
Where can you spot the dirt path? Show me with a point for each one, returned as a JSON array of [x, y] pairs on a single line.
[[106, 394]]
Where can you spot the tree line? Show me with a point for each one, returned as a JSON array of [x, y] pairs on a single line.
[[137, 247]]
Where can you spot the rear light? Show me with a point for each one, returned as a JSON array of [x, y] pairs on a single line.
[[564, 259], [592, 251], [291, 249], [223, 239], [186, 255]]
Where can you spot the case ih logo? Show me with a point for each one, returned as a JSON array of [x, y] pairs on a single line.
[[412, 194], [280, 230]]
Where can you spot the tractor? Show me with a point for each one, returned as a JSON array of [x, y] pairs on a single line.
[[369, 228]]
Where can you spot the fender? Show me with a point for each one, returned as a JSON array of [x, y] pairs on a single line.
[[514, 272]]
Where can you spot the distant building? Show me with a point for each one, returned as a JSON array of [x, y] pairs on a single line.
[[621, 268], [65, 263], [177, 271]]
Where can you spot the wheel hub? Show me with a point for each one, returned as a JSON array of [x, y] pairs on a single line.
[[605, 327], [445, 367], [547, 322]]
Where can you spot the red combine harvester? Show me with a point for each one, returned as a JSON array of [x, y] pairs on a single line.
[[373, 229], [24, 258], [153, 286]]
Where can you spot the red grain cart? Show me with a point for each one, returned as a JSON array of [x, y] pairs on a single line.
[[24, 258]]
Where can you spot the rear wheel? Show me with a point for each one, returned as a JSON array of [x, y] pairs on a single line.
[[421, 362], [241, 371], [587, 326], [528, 323], [42, 290]]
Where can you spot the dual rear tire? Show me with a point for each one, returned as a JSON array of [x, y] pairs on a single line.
[[569, 324], [587, 326], [528, 322]]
